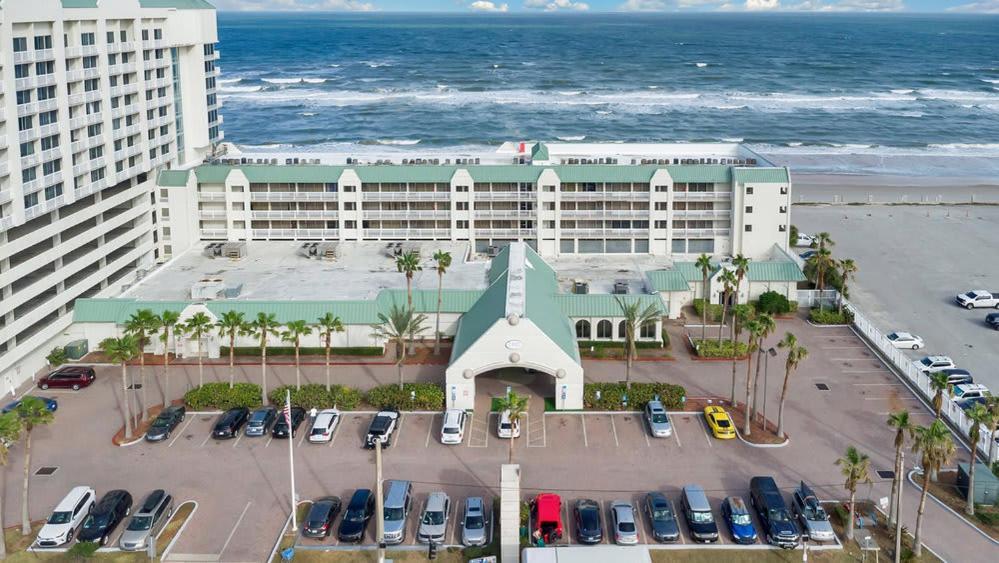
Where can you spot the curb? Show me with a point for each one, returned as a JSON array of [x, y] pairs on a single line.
[[809, 321], [284, 529], [180, 530], [961, 517], [786, 441]]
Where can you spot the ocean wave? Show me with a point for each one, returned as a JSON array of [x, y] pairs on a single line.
[[282, 80], [990, 80], [990, 150], [571, 137], [397, 142], [699, 65], [240, 89], [307, 113], [313, 80], [229, 80]]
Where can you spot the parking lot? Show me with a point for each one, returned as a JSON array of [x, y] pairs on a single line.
[[840, 397]]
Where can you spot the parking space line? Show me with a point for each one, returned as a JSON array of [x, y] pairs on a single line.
[[181, 433], [235, 527], [676, 434], [238, 438], [398, 432], [208, 437], [586, 442], [707, 431], [269, 439], [335, 432], [565, 518], [638, 522], [300, 440], [430, 429], [614, 429], [641, 425]]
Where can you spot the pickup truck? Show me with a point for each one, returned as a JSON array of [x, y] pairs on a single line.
[[978, 298], [778, 526], [811, 516]]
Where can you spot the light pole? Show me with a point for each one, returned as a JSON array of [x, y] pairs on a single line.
[[766, 377], [898, 509]]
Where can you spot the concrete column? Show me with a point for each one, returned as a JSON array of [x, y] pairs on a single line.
[[509, 520]]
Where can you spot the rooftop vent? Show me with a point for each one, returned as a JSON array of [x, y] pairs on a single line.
[[580, 287], [234, 250], [213, 250], [208, 289], [620, 287]]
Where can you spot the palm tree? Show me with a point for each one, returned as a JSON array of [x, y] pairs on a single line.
[[517, 406], [142, 324], [10, 432], [231, 324], [395, 327], [634, 319], [767, 327], [992, 404], [120, 351], [754, 329], [197, 327], [328, 324], [409, 263], [740, 315], [704, 264], [32, 412], [822, 261], [741, 265], [823, 240], [856, 467], [294, 331], [262, 328], [940, 384], [443, 260], [847, 267], [795, 354], [903, 427], [727, 278], [936, 446], [168, 321], [978, 415]]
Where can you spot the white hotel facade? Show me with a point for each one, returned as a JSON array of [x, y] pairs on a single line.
[[96, 98]]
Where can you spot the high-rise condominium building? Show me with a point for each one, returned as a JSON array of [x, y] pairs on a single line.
[[96, 98]]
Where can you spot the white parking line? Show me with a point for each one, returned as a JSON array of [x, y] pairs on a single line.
[[430, 430], [238, 438], [586, 442], [269, 440], [641, 426], [181, 433], [707, 431], [565, 519], [336, 431], [676, 434], [208, 437], [398, 432], [300, 440], [235, 527], [614, 428]]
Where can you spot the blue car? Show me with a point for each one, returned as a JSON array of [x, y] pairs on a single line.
[[740, 523], [50, 404]]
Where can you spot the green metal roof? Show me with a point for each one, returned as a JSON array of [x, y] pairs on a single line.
[[497, 267], [490, 307], [172, 178], [79, 3], [717, 173], [668, 280], [119, 310], [505, 173], [605, 173], [763, 175], [539, 152], [774, 271], [178, 4], [425, 300], [350, 312], [297, 173], [691, 272], [540, 308], [212, 173], [605, 305], [403, 174]]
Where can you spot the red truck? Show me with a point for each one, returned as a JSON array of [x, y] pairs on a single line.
[[546, 517]]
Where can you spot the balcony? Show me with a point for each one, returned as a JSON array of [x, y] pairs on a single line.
[[505, 233], [680, 233], [211, 196], [49, 154], [48, 129], [159, 82], [212, 213], [295, 233], [214, 233], [306, 214], [492, 196], [122, 46], [406, 196], [4, 171], [122, 68], [624, 213], [153, 44], [6, 223], [702, 214], [124, 89], [405, 214], [32, 56], [43, 208], [505, 214], [27, 135], [81, 51], [5, 195], [604, 233], [293, 196], [701, 196], [406, 233]]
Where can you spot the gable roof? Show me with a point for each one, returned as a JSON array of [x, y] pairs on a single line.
[[667, 280], [691, 272], [539, 152], [172, 178], [773, 270], [717, 173], [762, 175], [490, 308]]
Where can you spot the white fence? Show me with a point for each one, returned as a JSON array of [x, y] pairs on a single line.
[[809, 298]]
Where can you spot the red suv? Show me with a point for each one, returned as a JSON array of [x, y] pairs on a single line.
[[69, 377], [546, 515]]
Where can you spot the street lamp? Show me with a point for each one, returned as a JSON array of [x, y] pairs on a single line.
[[766, 377]]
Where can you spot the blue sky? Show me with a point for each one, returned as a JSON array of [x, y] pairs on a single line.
[[565, 6]]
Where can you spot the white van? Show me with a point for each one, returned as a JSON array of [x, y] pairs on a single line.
[[67, 517], [453, 426]]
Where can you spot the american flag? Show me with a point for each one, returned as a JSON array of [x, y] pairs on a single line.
[[287, 409]]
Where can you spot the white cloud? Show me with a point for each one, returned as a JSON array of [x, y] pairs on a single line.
[[644, 6], [486, 6], [295, 5], [762, 5], [554, 5], [982, 7], [848, 6]]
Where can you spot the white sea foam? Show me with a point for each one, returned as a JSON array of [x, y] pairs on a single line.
[[313, 80], [990, 80], [228, 80], [307, 113], [282, 80], [240, 89], [398, 142], [571, 137], [700, 65]]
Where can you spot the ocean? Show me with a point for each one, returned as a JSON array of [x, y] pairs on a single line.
[[830, 93]]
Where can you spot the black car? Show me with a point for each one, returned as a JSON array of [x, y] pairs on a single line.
[[280, 429], [319, 522], [164, 424], [958, 376], [230, 422], [260, 421], [992, 319], [355, 519], [778, 525], [113, 507], [587, 515], [662, 517]]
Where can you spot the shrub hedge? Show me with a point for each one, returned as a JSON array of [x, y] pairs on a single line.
[[714, 349], [830, 317], [619, 344], [305, 351], [218, 395], [641, 393], [714, 310], [315, 395], [774, 303], [429, 396]]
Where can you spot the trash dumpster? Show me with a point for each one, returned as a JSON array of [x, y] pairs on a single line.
[[76, 349]]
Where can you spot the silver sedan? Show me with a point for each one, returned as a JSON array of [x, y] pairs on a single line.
[[623, 517]]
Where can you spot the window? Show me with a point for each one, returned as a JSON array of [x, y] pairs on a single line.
[[123, 35], [350, 224], [157, 33], [94, 130], [26, 122], [662, 224], [90, 62], [461, 189], [23, 97], [350, 206], [648, 330], [110, 37], [749, 228], [51, 167], [749, 191], [48, 117], [53, 192], [583, 329], [783, 209], [662, 188], [749, 209], [605, 329], [96, 152], [20, 44], [783, 190], [90, 85], [46, 93], [29, 174], [30, 200], [87, 38], [43, 42], [350, 189], [46, 67], [145, 35], [22, 70], [461, 206], [27, 148], [781, 228], [50, 142]]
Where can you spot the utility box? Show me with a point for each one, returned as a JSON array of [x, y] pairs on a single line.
[[986, 483], [76, 349]]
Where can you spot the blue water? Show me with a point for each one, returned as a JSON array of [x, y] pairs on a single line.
[[790, 85]]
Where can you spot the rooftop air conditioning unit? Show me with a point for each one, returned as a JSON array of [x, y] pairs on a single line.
[[208, 288], [234, 250], [580, 287], [492, 251], [213, 250], [620, 287]]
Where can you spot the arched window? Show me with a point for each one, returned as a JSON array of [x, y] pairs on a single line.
[[622, 329], [583, 329], [648, 330], [605, 329]]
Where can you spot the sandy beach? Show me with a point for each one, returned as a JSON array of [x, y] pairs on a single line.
[[864, 188]]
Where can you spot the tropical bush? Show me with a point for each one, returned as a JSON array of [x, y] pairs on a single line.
[[429, 396], [775, 304], [618, 344], [830, 317], [56, 357], [714, 349], [314, 395], [218, 395], [714, 310], [305, 351], [640, 394]]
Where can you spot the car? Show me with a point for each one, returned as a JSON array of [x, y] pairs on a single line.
[[397, 502], [992, 320], [623, 522], [229, 423], [281, 428], [50, 404], [933, 364], [662, 517], [148, 520], [806, 255], [812, 518], [969, 391], [697, 512], [67, 517], [546, 518], [453, 426], [110, 511], [165, 422], [324, 426], [657, 419], [260, 421], [719, 422], [586, 515], [905, 340], [978, 298], [803, 240], [957, 376], [356, 516], [740, 523], [319, 521], [778, 527], [507, 428], [433, 521], [473, 523], [381, 428], [68, 377]]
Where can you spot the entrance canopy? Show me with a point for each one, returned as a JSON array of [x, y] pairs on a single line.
[[516, 323]]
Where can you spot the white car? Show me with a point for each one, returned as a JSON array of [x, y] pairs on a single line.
[[507, 428], [453, 426], [978, 298], [324, 426], [67, 517], [803, 240], [905, 340], [933, 364], [967, 391]]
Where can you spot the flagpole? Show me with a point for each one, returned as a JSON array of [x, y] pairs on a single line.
[[291, 461]]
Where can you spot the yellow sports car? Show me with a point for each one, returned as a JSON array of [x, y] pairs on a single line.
[[720, 423]]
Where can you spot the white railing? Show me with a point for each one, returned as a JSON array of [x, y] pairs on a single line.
[[700, 232], [680, 196], [404, 214], [405, 196], [506, 233], [213, 233], [488, 196], [702, 213], [293, 196], [634, 213], [6, 223], [211, 196], [811, 297], [504, 214], [406, 233], [306, 214], [295, 233]]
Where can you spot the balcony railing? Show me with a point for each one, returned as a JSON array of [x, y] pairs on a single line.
[[400, 214], [295, 233], [212, 213], [306, 214], [679, 233], [492, 196], [700, 196], [407, 233], [293, 196], [506, 233], [635, 213], [605, 195], [505, 213], [605, 233], [214, 233], [43, 208], [211, 196], [702, 213], [405, 196]]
